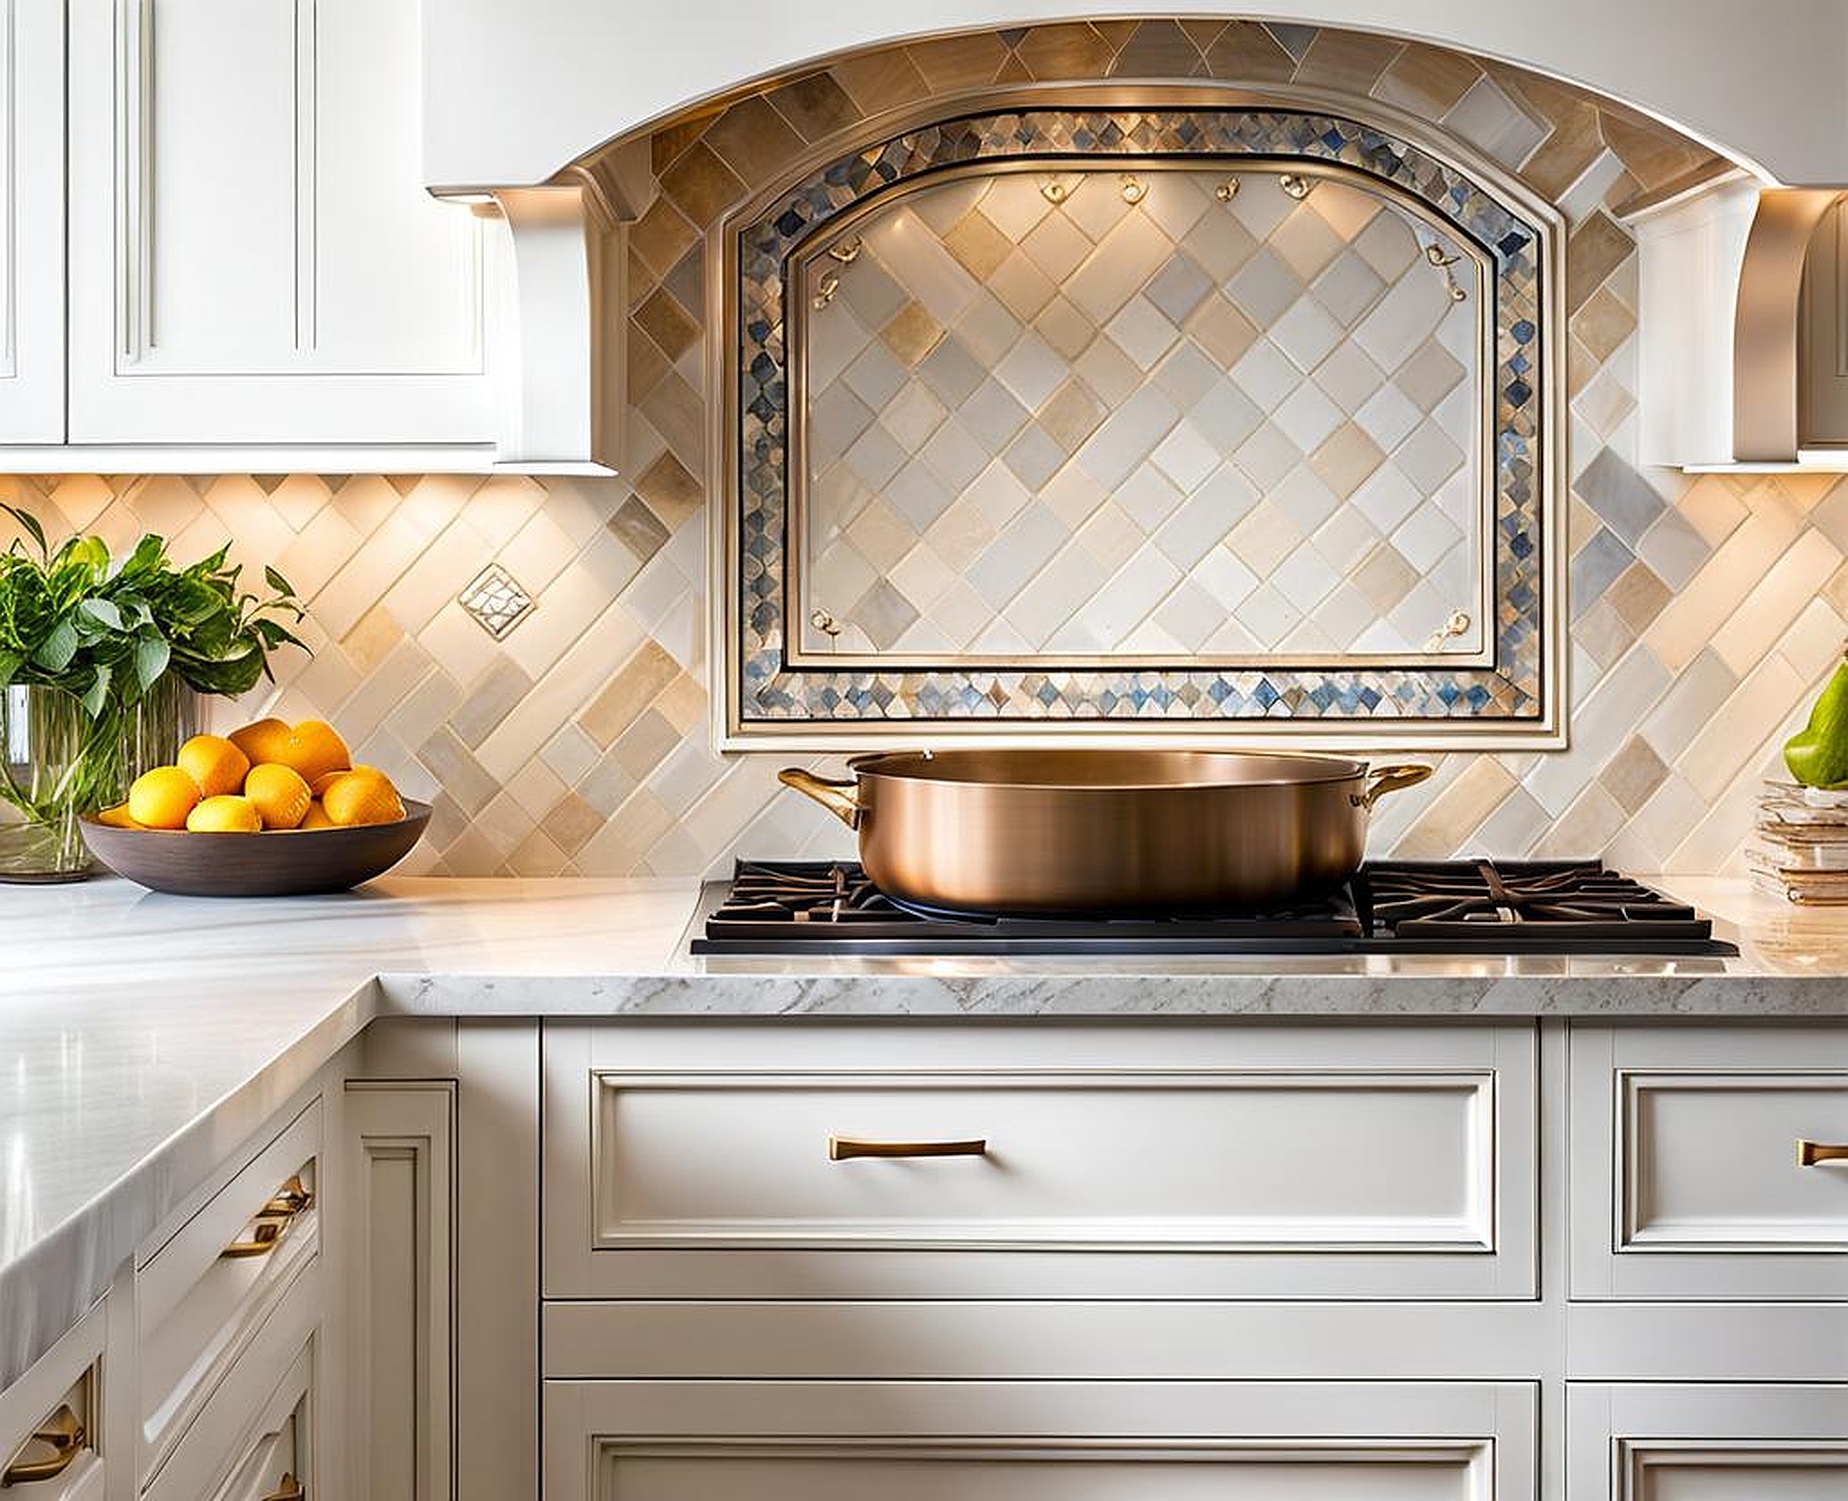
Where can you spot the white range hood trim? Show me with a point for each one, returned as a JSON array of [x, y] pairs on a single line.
[[1721, 274]]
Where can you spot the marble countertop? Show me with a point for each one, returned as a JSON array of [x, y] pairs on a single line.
[[143, 1038]]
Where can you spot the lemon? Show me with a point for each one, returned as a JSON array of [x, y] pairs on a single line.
[[214, 763], [311, 748], [117, 817], [261, 741], [280, 795], [161, 798], [317, 818], [319, 785], [362, 797], [225, 814]]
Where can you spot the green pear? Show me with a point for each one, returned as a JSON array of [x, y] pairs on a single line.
[[1817, 755]]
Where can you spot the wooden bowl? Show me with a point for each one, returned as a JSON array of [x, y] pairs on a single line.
[[300, 862]]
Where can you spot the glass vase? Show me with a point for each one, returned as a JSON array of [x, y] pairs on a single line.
[[60, 763]]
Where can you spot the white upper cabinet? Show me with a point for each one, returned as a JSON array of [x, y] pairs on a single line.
[[253, 256], [32, 221]]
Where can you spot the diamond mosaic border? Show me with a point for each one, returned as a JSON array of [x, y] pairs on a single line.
[[774, 698]]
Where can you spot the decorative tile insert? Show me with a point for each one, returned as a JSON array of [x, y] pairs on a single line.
[[496, 601], [1134, 329], [1006, 359]]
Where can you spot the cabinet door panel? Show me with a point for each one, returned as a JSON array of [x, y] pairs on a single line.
[[253, 256], [1008, 1441], [1687, 1176], [31, 221], [1344, 1161]]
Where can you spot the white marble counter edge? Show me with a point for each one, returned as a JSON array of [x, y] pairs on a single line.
[[48, 1287]]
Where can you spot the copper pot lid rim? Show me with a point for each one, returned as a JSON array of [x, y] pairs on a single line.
[[916, 765]]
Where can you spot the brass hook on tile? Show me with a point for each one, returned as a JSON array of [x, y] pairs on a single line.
[[1296, 185], [847, 251], [1456, 625], [1054, 191], [1227, 190], [1434, 253], [1132, 190], [827, 625], [825, 290]]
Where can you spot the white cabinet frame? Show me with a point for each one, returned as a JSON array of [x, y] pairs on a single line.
[[1487, 1431], [1617, 1435]]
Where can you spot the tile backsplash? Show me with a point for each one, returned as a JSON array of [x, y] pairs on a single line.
[[1705, 610]]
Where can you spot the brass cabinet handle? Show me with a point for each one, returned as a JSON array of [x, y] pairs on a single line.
[[289, 1489], [841, 1148], [1385, 779], [63, 1431], [1809, 1153], [272, 1220], [292, 1198], [837, 797]]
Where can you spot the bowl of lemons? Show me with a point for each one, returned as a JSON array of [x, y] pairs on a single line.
[[273, 809]]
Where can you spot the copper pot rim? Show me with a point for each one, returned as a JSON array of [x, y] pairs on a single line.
[[923, 766]]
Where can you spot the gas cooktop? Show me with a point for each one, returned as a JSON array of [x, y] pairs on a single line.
[[1389, 907]]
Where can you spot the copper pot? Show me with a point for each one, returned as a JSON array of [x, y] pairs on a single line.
[[1077, 831]]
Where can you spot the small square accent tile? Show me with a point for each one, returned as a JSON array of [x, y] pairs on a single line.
[[496, 601]]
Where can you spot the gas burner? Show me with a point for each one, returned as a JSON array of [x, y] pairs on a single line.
[[1443, 907], [1565, 898]]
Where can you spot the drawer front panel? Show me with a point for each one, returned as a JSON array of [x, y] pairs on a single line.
[[1208, 1161], [1020, 1442], [203, 1294], [1711, 1161], [50, 1420], [1275, 1161], [249, 1423], [1707, 1443], [1690, 1177]]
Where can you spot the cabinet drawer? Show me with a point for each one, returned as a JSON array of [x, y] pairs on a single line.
[[990, 1441], [1706, 1443], [50, 1420], [205, 1291], [255, 1427], [1691, 1177], [1264, 1161]]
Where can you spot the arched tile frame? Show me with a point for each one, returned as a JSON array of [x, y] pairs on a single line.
[[1515, 701]]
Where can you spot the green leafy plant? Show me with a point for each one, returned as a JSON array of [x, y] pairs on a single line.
[[107, 630]]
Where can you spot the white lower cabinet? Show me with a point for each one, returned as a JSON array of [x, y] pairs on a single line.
[[1710, 1162], [1707, 1443], [396, 1381], [253, 1437], [202, 1294], [1085, 1161], [1023, 1441], [51, 1420]]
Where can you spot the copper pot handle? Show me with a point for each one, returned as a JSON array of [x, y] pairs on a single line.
[[1385, 779], [837, 797]]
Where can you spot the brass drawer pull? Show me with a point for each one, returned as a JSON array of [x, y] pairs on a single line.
[[290, 1489], [841, 1148], [1809, 1153], [64, 1433], [271, 1221]]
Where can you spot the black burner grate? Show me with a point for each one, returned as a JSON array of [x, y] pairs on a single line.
[[1563, 898], [1452, 906]]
